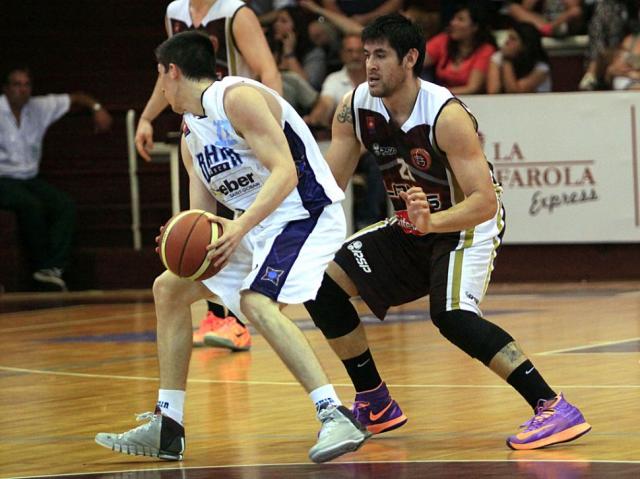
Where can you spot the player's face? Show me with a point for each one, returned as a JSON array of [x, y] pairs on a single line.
[[385, 72], [169, 86], [18, 89]]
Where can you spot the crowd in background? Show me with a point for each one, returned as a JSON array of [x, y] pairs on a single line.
[[473, 47]]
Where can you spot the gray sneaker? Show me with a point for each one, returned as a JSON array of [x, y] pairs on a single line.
[[340, 433], [160, 437]]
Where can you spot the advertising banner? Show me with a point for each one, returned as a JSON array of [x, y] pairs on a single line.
[[568, 163]]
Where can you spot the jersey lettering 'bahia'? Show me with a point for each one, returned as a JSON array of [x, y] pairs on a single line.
[[217, 23], [228, 167], [408, 154]]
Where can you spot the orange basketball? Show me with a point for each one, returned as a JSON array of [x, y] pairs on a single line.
[[182, 245]]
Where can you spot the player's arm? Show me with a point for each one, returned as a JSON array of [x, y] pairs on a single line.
[[344, 151], [455, 135], [155, 105], [199, 196], [253, 119], [253, 46]]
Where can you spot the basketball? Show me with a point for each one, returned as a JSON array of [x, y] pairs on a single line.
[[182, 245]]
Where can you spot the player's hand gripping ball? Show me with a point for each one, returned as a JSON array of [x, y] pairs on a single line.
[[183, 241]]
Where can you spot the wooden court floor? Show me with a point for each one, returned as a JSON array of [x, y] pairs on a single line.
[[75, 364]]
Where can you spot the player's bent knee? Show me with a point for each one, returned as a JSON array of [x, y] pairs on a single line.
[[168, 287], [473, 334], [331, 311]]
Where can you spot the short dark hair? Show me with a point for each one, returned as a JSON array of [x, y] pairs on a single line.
[[7, 72], [192, 51], [402, 35]]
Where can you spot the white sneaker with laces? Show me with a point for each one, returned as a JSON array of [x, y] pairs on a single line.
[[160, 437], [340, 433]]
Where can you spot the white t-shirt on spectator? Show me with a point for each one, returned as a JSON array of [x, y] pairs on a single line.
[[545, 86], [337, 85], [21, 145]]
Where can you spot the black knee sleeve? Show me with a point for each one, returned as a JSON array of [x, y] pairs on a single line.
[[476, 336], [331, 311]]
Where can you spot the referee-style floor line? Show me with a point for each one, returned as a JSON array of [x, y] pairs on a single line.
[[296, 384], [578, 349]]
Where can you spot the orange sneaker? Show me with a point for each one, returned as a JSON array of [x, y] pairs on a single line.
[[229, 335], [211, 322]]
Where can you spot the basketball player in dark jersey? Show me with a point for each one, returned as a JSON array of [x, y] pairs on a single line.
[[442, 241], [241, 50]]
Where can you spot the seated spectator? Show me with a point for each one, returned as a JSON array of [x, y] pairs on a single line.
[[298, 92], [293, 48], [607, 28], [337, 84], [624, 71], [46, 215], [363, 12], [556, 18], [521, 65], [461, 55]]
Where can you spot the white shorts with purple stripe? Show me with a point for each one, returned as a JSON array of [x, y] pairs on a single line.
[[284, 261]]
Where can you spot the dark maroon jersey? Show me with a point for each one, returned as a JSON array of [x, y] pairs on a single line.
[[408, 154]]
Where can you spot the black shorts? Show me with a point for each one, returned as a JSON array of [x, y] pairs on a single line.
[[390, 267]]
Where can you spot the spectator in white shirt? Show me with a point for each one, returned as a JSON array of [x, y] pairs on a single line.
[[339, 83], [45, 215]]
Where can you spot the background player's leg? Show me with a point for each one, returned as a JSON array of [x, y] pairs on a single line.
[[221, 328]]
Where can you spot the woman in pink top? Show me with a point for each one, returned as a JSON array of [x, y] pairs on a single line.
[[461, 55]]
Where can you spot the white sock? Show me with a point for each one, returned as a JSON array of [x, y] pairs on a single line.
[[171, 403], [324, 396]]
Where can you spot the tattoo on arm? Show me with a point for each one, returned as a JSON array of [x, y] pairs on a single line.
[[345, 115]]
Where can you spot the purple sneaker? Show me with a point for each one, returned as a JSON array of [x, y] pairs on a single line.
[[377, 411], [555, 421]]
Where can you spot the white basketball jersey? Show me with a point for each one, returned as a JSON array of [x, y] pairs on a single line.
[[217, 23], [230, 170]]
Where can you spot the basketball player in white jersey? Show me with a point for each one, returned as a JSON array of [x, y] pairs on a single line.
[[244, 146], [241, 49], [442, 241]]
